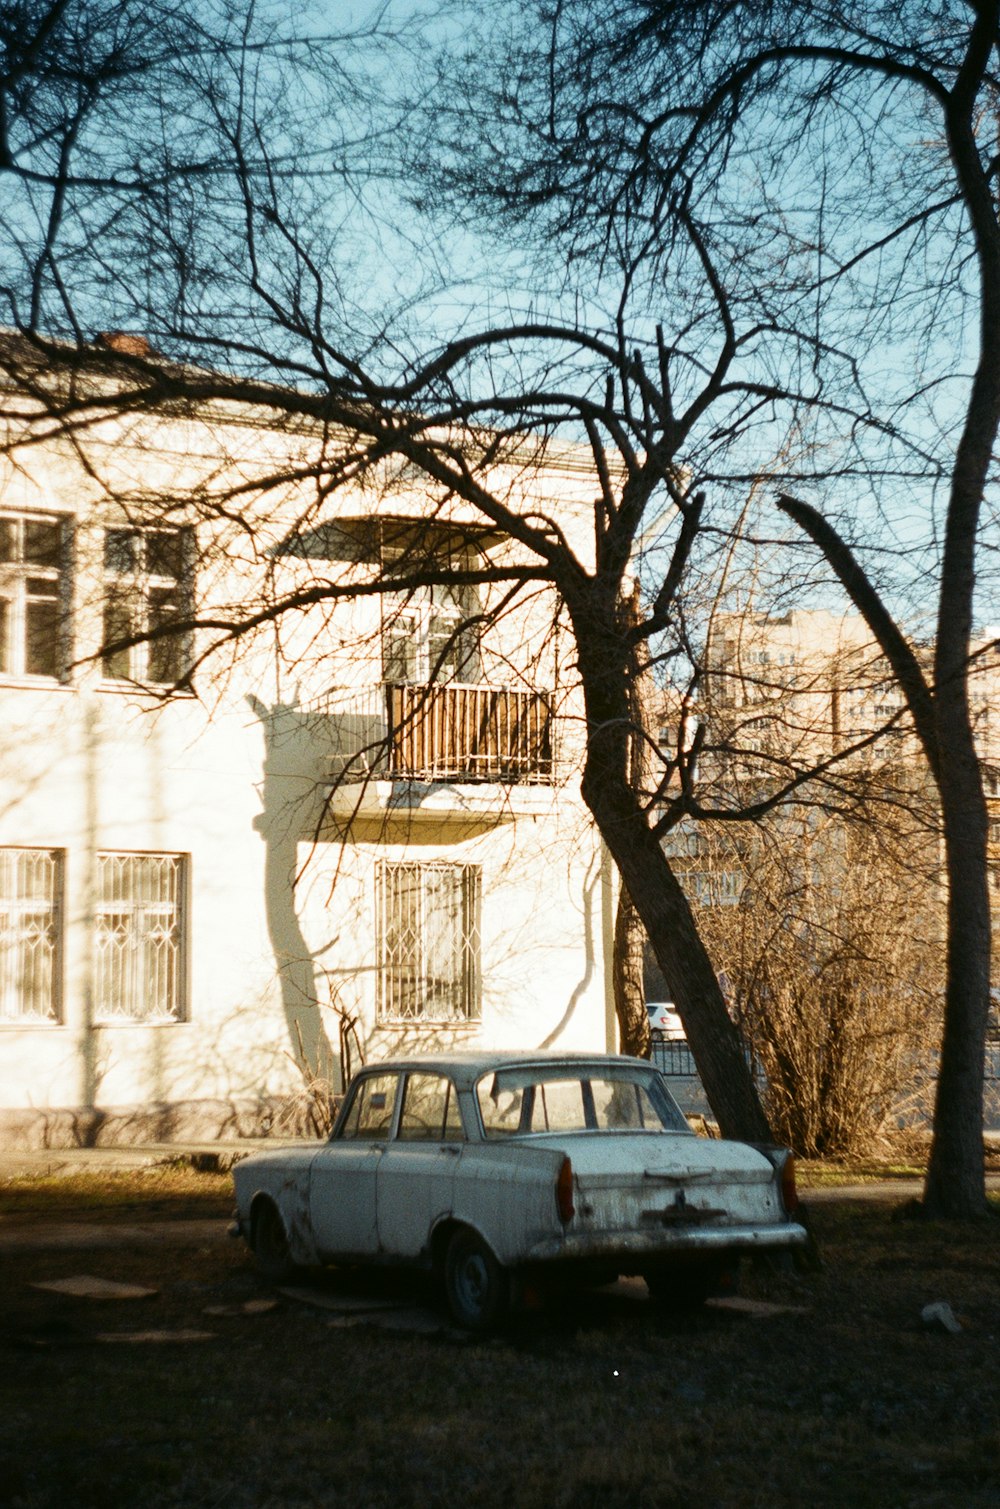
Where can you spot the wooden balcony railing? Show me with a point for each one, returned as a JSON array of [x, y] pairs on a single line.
[[468, 733]]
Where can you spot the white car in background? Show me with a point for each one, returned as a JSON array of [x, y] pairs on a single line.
[[664, 1018], [494, 1168]]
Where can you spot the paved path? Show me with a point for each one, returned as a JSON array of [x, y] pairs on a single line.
[[61, 1162], [896, 1190]]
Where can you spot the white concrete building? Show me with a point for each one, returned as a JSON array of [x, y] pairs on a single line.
[[221, 877]]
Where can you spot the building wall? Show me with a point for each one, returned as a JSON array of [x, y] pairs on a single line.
[[280, 863]]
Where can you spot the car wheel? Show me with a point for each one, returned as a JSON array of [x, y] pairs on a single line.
[[270, 1244], [476, 1285]]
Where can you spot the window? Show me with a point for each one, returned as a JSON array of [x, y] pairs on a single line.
[[430, 633], [425, 638], [528, 1099], [428, 942], [369, 1116], [430, 1110], [30, 931], [146, 590], [140, 937], [32, 587], [712, 887]]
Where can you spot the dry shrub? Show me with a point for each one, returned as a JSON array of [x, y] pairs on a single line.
[[833, 955]]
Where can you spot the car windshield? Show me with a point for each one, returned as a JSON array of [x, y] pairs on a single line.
[[537, 1098]]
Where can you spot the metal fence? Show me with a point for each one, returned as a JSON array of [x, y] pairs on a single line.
[[672, 1056]]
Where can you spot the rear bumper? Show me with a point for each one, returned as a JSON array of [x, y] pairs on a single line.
[[637, 1246]]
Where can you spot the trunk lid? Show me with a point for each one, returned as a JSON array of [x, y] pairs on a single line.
[[645, 1180]]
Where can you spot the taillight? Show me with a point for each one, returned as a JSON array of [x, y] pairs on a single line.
[[789, 1194], [564, 1192]]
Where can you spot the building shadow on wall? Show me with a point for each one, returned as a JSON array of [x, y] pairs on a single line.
[[296, 749]]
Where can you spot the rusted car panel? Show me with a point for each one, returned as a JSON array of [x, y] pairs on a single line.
[[485, 1164], [281, 1176], [505, 1193]]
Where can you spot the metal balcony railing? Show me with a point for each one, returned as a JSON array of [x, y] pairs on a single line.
[[450, 732]]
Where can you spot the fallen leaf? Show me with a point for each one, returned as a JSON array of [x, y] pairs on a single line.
[[941, 1314]]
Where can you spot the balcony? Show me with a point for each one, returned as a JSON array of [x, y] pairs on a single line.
[[468, 733], [446, 748]]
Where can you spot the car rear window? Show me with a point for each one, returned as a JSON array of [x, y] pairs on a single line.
[[526, 1100]]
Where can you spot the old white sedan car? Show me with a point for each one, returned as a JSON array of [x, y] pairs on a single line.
[[501, 1169]]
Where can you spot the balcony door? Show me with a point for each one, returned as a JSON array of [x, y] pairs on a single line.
[[431, 635]]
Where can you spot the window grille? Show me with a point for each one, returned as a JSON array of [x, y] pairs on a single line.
[[32, 593], [146, 589], [30, 933], [140, 938], [428, 942]]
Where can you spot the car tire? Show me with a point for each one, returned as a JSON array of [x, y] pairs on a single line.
[[270, 1244], [477, 1286]]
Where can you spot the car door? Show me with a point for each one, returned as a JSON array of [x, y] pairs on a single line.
[[416, 1174], [342, 1187]]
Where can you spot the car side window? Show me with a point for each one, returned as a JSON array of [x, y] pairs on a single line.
[[430, 1110], [370, 1114]]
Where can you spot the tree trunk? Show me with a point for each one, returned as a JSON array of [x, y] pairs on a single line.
[[630, 935], [666, 915], [955, 1183], [621, 817], [630, 995]]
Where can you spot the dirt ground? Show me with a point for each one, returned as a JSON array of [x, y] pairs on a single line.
[[360, 1394]]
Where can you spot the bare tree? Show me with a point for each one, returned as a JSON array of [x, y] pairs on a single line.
[[711, 327], [825, 179], [251, 279]]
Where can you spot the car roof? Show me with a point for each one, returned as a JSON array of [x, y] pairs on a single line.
[[465, 1067]]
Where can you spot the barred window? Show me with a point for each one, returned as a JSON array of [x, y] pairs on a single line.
[[140, 925], [146, 590], [428, 942], [33, 576], [30, 934]]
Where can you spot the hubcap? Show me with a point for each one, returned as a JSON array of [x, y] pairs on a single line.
[[473, 1281]]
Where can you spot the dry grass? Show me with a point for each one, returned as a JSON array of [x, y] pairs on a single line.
[[597, 1401]]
